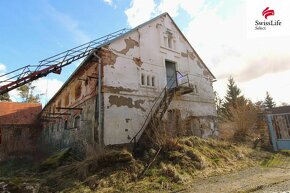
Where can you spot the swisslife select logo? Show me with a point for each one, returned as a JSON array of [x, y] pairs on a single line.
[[268, 12], [267, 18], [266, 23]]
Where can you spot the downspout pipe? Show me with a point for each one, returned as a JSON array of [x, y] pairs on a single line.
[[100, 101]]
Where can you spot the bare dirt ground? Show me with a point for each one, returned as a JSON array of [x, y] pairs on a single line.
[[256, 179]]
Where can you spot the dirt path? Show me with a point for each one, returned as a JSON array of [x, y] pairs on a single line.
[[255, 179]]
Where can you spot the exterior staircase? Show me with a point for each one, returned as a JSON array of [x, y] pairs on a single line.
[[159, 107]]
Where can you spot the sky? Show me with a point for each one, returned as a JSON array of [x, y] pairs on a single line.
[[222, 33]]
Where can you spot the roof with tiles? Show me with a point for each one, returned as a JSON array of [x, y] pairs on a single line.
[[13, 113]]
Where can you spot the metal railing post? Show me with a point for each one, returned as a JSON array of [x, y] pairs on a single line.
[[272, 132]]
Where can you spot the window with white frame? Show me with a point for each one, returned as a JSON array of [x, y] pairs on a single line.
[[169, 40], [148, 80]]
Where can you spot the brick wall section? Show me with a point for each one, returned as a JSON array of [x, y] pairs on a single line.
[[19, 128]]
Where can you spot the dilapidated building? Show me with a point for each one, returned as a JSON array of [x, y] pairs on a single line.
[[19, 128], [146, 73]]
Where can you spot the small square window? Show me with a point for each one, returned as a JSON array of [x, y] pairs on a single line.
[[148, 80], [142, 79], [77, 122], [153, 81], [195, 89], [59, 105], [66, 102], [65, 124], [165, 42], [170, 40], [78, 91]]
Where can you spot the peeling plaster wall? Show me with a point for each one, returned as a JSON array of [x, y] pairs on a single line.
[[55, 135], [143, 51], [127, 100]]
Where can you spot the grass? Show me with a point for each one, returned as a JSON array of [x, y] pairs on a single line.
[[179, 162], [55, 160], [280, 159]]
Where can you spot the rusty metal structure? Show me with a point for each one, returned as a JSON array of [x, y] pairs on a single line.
[[53, 64]]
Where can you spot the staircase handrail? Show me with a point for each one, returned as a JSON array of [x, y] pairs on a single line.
[[155, 102]]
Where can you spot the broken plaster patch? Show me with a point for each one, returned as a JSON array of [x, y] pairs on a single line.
[[199, 64], [138, 61], [188, 54], [130, 43], [117, 90], [108, 58], [128, 102], [206, 73]]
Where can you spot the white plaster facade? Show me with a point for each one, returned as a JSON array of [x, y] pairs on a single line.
[[134, 74]]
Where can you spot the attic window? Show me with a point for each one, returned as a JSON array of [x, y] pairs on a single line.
[[165, 42], [169, 40]]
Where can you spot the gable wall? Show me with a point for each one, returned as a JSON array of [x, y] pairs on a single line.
[[127, 101]]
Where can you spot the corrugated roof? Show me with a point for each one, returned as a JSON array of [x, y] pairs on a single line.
[[279, 110], [12, 113]]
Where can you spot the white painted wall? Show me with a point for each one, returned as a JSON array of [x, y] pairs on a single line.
[[126, 74]]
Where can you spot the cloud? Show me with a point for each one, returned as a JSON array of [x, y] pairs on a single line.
[[2, 72], [140, 12], [228, 51], [14, 93], [47, 88], [2, 69], [218, 32], [256, 88], [173, 7], [110, 2], [67, 22], [260, 66]]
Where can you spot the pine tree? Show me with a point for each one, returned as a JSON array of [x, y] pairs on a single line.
[[269, 102], [5, 97], [232, 98], [233, 93], [26, 93]]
